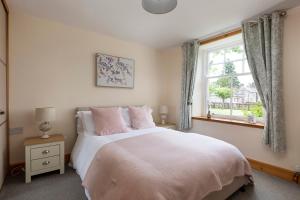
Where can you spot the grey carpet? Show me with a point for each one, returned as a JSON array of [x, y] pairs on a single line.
[[50, 186], [269, 188], [53, 186]]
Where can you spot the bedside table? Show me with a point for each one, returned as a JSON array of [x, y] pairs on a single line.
[[44, 155], [167, 125]]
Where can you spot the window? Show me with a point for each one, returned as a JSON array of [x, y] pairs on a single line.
[[230, 91]]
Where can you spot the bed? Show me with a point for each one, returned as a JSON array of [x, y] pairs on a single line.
[[88, 145]]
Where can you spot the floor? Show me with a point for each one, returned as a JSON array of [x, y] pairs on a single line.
[[53, 186]]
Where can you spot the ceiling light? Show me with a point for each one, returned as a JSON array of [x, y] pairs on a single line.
[[159, 6]]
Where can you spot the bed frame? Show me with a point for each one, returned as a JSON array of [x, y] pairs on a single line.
[[237, 184]]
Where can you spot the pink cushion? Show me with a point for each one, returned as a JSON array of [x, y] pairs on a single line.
[[141, 117], [108, 121]]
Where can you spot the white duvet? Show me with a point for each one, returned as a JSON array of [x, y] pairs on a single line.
[[88, 144]]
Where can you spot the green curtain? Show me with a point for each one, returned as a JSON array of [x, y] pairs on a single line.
[[263, 45], [190, 57]]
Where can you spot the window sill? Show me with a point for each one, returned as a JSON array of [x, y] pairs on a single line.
[[232, 122]]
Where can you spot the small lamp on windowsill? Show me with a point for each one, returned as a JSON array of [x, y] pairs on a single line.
[[163, 111], [44, 116]]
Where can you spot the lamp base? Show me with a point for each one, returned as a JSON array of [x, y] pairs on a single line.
[[45, 136], [45, 127], [163, 118]]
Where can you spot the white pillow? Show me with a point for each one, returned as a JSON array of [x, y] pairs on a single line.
[[86, 122], [79, 124], [126, 117]]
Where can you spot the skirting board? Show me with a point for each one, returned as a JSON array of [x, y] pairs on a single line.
[[258, 165], [274, 170]]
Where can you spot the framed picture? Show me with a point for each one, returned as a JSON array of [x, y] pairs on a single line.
[[114, 71]]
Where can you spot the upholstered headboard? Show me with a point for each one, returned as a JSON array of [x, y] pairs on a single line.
[[82, 109], [88, 108]]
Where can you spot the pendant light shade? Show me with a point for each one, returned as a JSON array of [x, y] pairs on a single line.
[[159, 6]]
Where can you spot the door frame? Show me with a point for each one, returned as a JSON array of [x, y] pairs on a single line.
[[4, 4]]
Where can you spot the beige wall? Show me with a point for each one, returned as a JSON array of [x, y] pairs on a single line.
[[171, 61], [54, 65], [249, 140]]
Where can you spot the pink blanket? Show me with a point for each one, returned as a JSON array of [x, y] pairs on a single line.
[[163, 166]]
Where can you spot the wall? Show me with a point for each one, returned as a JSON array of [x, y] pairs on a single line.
[[171, 61], [249, 140], [54, 65]]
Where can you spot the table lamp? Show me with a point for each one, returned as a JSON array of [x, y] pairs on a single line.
[[44, 116], [163, 111]]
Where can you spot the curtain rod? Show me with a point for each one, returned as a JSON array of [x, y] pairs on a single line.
[[233, 32], [282, 14]]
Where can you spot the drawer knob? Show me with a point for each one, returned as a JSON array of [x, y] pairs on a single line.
[[46, 163], [46, 152]]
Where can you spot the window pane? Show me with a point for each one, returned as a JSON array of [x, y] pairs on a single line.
[[216, 57], [237, 67], [234, 53], [216, 70], [245, 100], [219, 94], [246, 67]]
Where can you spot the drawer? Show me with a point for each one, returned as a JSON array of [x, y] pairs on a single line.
[[44, 163], [44, 152]]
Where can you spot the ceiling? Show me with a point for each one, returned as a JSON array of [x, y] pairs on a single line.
[[126, 19]]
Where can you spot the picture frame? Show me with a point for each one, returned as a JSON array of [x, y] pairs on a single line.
[[113, 71]]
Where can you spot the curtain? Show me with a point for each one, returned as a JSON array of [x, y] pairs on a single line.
[[263, 45], [190, 56]]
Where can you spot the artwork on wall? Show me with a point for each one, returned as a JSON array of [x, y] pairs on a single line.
[[114, 71]]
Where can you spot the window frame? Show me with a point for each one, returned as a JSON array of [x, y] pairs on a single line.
[[205, 78]]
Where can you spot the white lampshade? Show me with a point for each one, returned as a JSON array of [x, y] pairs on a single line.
[[163, 109], [45, 114], [159, 6]]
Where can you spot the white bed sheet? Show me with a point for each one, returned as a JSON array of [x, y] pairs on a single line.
[[88, 144]]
